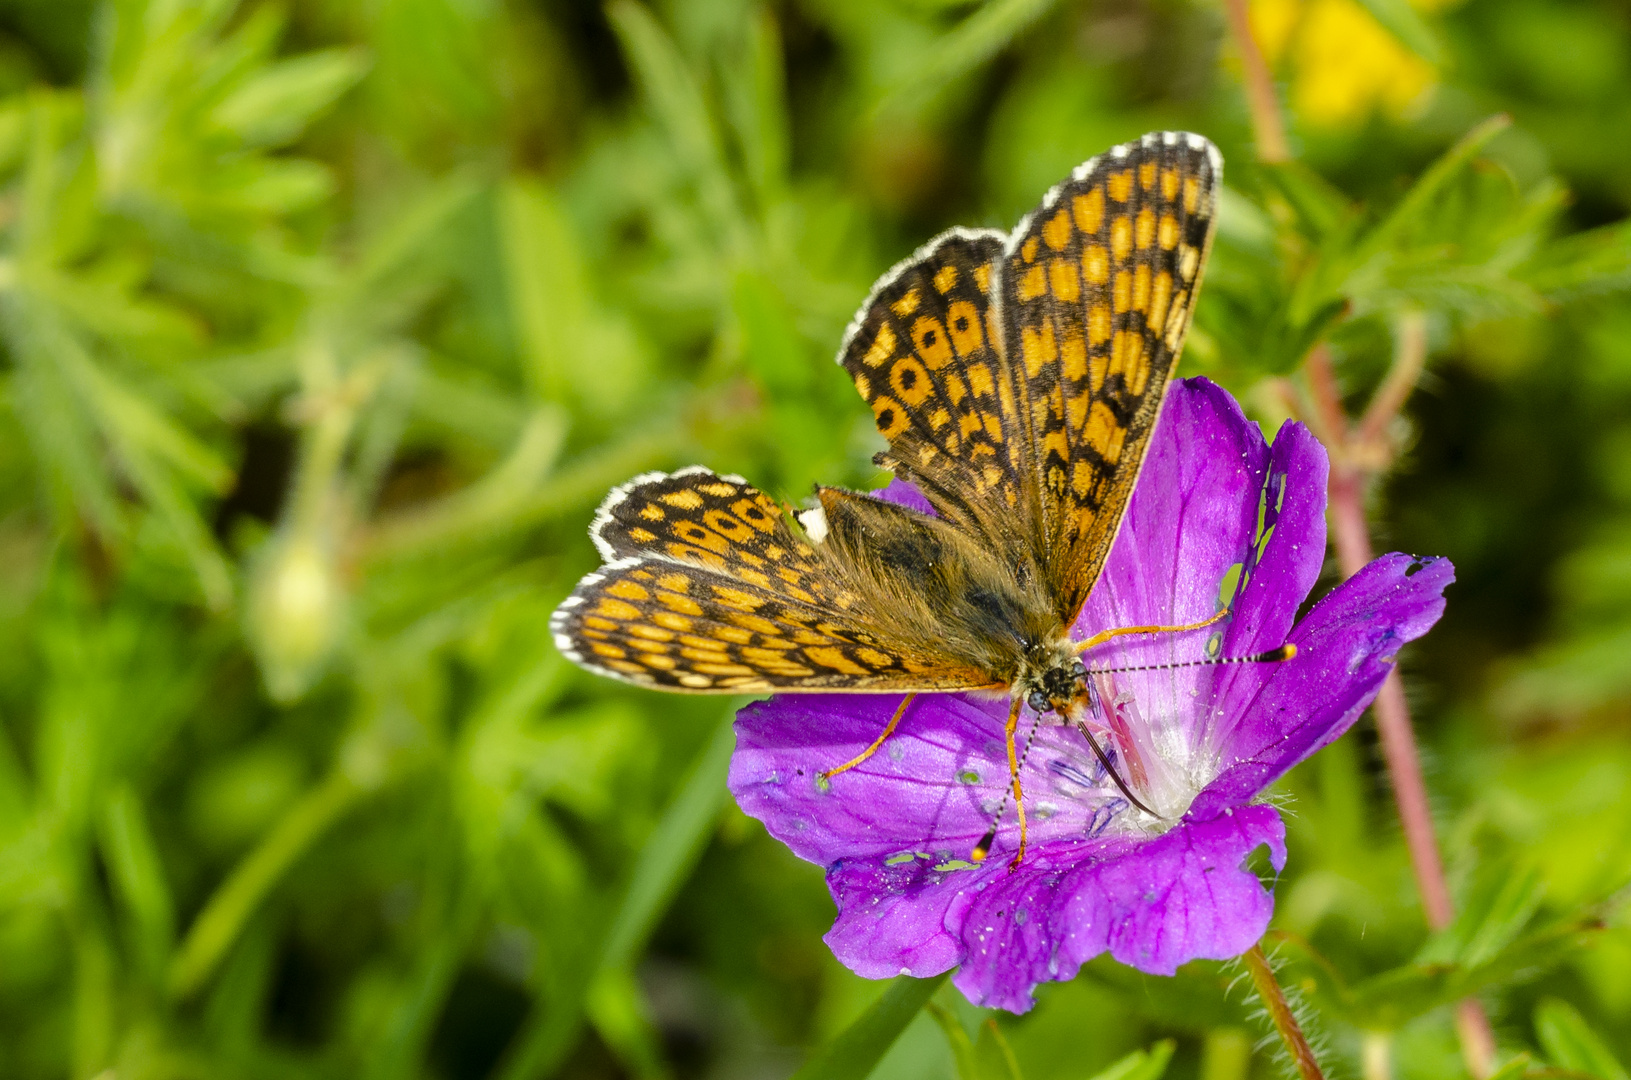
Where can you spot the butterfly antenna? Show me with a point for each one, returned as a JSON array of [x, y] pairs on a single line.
[[1273, 656]]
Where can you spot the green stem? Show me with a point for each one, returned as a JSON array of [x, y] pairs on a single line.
[[238, 898]]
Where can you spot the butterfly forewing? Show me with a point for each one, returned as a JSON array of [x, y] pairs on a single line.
[[1017, 380], [923, 353], [1095, 293], [707, 589]]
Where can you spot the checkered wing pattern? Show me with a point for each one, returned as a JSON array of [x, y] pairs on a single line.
[[707, 588], [1095, 293], [924, 354]]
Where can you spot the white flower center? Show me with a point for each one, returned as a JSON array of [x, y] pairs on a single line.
[[1154, 756]]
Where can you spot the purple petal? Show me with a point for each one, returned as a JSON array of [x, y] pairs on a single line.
[[1191, 517], [1186, 895], [1154, 904], [1193, 520], [905, 494], [933, 787], [1280, 573], [925, 786], [1345, 648], [899, 918]]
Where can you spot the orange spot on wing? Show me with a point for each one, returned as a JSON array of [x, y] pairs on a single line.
[[1096, 264], [1033, 284], [1121, 238], [1167, 234], [1037, 349], [1104, 434], [980, 379], [627, 590], [617, 609], [1141, 287], [1057, 231], [1089, 211], [1073, 354], [883, 346], [684, 499], [1160, 295], [1098, 324], [1064, 281], [831, 657], [964, 323]]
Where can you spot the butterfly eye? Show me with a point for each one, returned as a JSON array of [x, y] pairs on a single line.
[[1038, 701]]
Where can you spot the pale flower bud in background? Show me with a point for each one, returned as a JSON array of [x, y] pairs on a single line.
[[296, 608]]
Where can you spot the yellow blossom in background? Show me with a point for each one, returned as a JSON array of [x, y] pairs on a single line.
[[1342, 65]]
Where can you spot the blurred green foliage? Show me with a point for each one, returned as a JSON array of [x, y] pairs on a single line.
[[326, 324]]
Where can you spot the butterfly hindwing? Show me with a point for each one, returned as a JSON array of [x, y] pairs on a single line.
[[720, 523], [707, 588], [1096, 290]]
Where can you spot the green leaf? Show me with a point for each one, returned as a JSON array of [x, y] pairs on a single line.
[[1148, 1064], [671, 850], [1492, 915], [131, 856], [675, 98], [1596, 262], [754, 86], [962, 1048], [1515, 1069], [1432, 183], [973, 42], [1570, 1043], [231, 905], [664, 863], [1391, 999], [276, 104], [859, 1047]]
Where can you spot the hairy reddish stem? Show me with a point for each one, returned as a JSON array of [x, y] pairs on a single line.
[[1350, 536], [1274, 1000], [1359, 452], [1267, 126]]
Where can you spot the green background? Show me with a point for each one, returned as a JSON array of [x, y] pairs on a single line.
[[325, 325]]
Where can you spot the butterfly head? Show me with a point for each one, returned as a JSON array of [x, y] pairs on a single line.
[[1055, 681]]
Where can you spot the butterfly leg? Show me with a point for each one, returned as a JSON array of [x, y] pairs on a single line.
[[1013, 774], [877, 743], [1105, 635], [983, 848]]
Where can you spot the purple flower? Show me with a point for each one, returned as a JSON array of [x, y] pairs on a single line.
[[1218, 516]]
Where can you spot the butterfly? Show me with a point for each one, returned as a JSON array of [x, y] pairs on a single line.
[[1016, 379]]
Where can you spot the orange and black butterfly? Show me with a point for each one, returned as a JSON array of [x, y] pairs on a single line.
[[1017, 379]]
